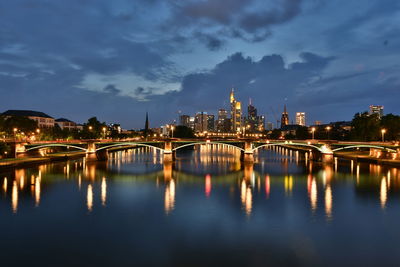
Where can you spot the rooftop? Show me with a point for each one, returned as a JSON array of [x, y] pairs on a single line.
[[26, 113]]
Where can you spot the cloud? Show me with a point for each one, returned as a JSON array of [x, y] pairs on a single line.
[[248, 20]]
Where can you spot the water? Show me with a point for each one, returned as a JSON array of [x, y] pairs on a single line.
[[206, 209]]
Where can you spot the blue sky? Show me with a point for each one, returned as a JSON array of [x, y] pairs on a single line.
[[118, 59]]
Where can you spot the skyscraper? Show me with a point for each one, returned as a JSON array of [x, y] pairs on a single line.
[[301, 118], [222, 116], [201, 122], [376, 110], [236, 113], [184, 120], [210, 123], [284, 118]]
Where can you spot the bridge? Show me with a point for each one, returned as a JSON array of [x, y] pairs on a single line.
[[320, 150]]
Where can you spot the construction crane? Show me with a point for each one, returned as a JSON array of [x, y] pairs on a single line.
[[276, 118]]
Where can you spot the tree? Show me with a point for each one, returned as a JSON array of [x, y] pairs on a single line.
[[302, 133], [183, 132], [93, 129], [391, 123], [365, 127], [23, 124]]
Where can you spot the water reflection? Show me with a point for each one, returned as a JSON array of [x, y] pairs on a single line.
[[89, 198], [287, 173], [169, 197], [328, 202], [383, 193]]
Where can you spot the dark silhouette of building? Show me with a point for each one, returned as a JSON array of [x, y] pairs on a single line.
[[285, 118]]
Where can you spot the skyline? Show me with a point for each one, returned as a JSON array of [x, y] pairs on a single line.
[[165, 56]]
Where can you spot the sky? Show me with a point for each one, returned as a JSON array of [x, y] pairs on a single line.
[[119, 59]]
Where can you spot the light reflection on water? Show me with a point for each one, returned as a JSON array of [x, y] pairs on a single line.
[[282, 189]]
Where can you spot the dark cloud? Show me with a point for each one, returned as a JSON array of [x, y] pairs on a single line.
[[110, 88], [212, 42], [234, 18], [287, 10]]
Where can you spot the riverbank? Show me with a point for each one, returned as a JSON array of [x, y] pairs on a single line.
[[28, 162]]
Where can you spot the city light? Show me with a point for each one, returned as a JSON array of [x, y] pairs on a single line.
[[383, 131]]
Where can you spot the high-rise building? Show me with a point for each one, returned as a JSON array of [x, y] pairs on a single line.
[[210, 123], [376, 110], [301, 118], [254, 122], [184, 120], [201, 122], [284, 118], [236, 113], [222, 116]]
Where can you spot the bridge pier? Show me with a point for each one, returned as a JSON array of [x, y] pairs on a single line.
[[247, 155]]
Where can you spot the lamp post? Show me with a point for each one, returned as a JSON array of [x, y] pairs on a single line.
[[104, 132], [15, 133], [38, 132], [312, 131], [172, 131], [383, 131], [328, 128]]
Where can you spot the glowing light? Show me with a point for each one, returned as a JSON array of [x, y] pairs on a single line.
[[246, 197], [267, 186], [169, 199], [89, 198], [328, 202], [14, 197], [5, 185], [313, 195], [37, 191], [208, 185], [383, 193], [103, 191]]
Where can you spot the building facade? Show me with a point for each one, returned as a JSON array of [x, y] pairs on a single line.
[[67, 124], [284, 118], [236, 113], [43, 120], [301, 118], [201, 122], [374, 109]]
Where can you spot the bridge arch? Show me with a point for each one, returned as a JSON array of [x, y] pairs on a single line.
[[55, 145], [129, 144], [364, 146], [205, 142], [283, 144]]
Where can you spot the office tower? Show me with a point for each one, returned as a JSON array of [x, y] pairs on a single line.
[[236, 113], [201, 122], [269, 126], [210, 123], [184, 120], [373, 109], [301, 118], [284, 118]]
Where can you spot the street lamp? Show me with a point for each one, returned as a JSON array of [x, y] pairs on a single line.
[[383, 131], [15, 133], [328, 128], [172, 131], [90, 128], [312, 131], [104, 132]]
